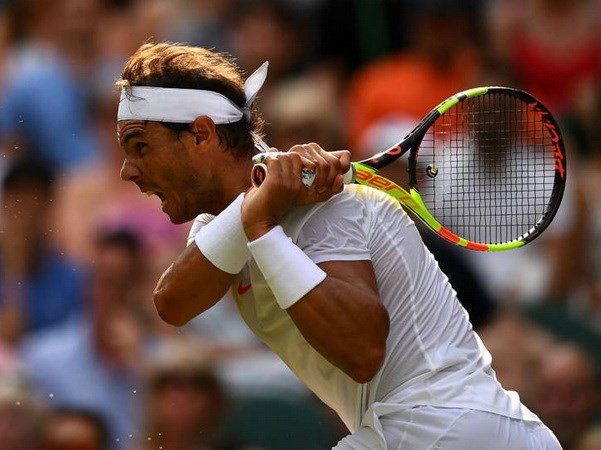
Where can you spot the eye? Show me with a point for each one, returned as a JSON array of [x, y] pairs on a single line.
[[141, 148]]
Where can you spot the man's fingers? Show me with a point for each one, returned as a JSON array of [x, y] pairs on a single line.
[[306, 160], [325, 165], [328, 165], [280, 163], [321, 165], [344, 157]]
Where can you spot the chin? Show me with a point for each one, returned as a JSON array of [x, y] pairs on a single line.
[[178, 218]]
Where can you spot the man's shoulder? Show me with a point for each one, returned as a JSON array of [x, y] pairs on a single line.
[[353, 205], [356, 196]]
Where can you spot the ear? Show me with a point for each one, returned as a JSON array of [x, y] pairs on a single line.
[[203, 130]]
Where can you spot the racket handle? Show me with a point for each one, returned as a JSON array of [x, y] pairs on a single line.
[[259, 172]]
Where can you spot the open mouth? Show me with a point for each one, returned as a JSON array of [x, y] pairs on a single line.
[[159, 194]]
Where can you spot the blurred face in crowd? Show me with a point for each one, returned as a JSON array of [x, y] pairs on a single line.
[[559, 5], [25, 210], [591, 440], [261, 36], [16, 428], [441, 36], [516, 356], [115, 277], [70, 432], [569, 396], [186, 400], [78, 23]]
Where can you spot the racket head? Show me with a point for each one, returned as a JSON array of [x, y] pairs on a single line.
[[487, 168]]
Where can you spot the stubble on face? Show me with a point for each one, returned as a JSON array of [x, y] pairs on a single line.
[[190, 179], [160, 163]]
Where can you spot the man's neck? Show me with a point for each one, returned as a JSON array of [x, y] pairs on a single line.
[[234, 177]]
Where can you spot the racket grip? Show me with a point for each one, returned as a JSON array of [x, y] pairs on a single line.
[[259, 172]]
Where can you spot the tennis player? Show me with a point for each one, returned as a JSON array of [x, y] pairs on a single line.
[[334, 279]]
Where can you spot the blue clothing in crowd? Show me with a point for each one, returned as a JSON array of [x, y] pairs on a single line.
[[47, 108], [54, 291], [66, 368]]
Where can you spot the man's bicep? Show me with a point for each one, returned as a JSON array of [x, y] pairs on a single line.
[[359, 273]]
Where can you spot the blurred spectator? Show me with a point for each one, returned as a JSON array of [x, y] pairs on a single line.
[[301, 110], [5, 36], [190, 408], [550, 48], [351, 33], [129, 23], [554, 377], [96, 360], [591, 439], [570, 395], [268, 30], [74, 429], [21, 416], [9, 362], [202, 22], [517, 348], [44, 106], [398, 90], [587, 307], [187, 401], [38, 286]]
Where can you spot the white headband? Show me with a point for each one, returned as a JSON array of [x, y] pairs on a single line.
[[160, 104]]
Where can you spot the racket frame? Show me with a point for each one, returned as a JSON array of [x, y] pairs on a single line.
[[366, 171]]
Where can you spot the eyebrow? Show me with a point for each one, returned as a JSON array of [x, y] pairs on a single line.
[[128, 136]]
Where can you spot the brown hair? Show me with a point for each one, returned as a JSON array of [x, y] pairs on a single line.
[[182, 66]]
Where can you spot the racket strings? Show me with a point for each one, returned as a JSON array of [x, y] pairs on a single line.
[[486, 168]]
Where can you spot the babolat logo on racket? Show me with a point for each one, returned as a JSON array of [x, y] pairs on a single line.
[[545, 117], [383, 184]]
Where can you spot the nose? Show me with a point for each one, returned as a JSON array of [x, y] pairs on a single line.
[[129, 172]]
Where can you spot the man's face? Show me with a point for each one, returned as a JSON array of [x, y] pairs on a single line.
[[164, 163]]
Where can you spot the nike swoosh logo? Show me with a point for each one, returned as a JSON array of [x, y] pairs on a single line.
[[243, 289]]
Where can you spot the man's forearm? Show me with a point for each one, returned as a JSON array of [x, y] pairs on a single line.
[[190, 286], [204, 271]]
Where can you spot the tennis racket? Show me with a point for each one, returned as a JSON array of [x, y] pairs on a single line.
[[487, 169]]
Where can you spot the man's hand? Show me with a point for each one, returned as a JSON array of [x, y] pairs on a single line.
[[330, 167], [283, 188]]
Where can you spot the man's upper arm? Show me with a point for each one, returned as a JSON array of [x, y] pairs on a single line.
[[359, 273]]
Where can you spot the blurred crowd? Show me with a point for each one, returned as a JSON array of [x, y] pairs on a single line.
[[84, 361]]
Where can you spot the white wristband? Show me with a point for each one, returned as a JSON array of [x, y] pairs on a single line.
[[223, 241], [289, 273]]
